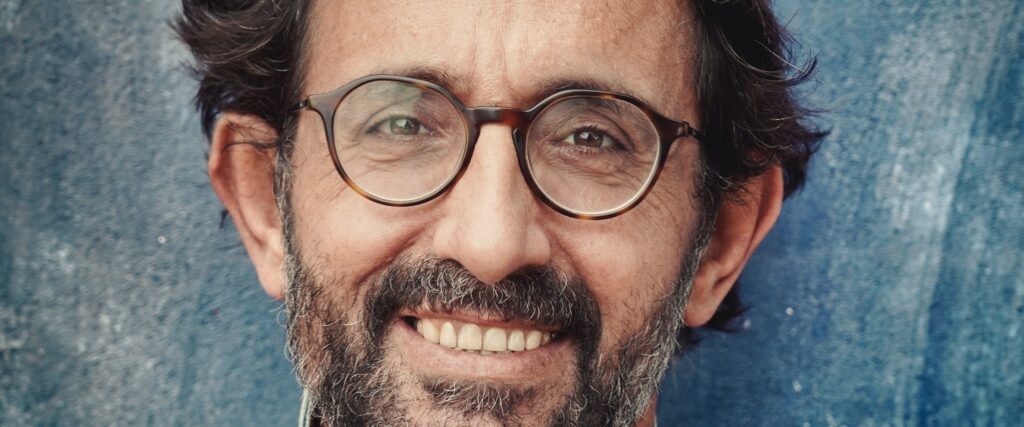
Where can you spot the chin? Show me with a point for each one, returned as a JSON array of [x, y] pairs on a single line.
[[425, 343]]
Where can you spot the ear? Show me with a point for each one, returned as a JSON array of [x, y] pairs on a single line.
[[241, 168], [739, 229]]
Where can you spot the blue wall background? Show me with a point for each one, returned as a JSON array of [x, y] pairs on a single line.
[[889, 294]]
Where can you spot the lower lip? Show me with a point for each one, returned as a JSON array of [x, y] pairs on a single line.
[[435, 359]]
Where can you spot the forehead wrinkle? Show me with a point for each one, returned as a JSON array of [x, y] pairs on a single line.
[[651, 34], [493, 68], [487, 79]]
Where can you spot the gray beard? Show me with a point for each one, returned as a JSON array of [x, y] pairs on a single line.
[[341, 363], [339, 356]]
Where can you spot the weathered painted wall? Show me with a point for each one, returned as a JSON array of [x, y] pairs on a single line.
[[889, 294], [891, 291]]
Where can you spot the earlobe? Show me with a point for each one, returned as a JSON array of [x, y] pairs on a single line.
[[241, 167], [739, 229]]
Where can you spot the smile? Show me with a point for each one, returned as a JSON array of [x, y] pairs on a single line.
[[480, 339], [460, 345]]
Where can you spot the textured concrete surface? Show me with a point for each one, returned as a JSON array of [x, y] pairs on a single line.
[[889, 294]]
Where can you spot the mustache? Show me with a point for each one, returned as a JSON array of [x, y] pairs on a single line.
[[537, 294]]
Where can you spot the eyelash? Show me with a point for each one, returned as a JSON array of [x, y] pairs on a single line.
[[375, 127], [617, 143]]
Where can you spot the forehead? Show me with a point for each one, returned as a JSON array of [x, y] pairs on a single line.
[[501, 52]]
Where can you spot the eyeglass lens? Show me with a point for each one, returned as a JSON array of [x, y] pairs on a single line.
[[397, 141], [400, 142], [591, 155]]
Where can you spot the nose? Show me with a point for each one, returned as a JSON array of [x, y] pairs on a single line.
[[491, 224]]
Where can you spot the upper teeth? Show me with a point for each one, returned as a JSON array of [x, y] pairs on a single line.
[[473, 337]]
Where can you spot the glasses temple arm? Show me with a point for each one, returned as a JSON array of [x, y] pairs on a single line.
[[686, 130]]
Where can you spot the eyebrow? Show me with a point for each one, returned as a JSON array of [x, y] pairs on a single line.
[[550, 87], [437, 75], [457, 85]]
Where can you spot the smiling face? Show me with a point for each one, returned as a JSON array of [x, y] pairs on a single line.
[[525, 310], [485, 305]]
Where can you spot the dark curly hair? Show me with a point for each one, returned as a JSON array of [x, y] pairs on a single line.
[[248, 59]]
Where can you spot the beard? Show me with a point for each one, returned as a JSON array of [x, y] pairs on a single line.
[[340, 353], [337, 340]]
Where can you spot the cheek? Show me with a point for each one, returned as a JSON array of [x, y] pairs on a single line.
[[344, 235], [631, 262]]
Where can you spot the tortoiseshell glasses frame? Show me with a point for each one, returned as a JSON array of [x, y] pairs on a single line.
[[520, 121]]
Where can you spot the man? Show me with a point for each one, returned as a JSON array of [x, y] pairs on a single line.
[[496, 212]]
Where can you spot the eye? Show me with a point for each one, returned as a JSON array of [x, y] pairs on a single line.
[[404, 126], [590, 138]]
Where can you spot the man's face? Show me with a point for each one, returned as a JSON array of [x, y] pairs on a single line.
[[488, 254]]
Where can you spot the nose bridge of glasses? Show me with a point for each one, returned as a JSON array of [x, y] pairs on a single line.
[[478, 116]]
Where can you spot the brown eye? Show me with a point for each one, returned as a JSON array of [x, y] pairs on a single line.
[[591, 138], [404, 126]]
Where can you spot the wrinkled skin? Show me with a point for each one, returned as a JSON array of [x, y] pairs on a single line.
[[633, 269]]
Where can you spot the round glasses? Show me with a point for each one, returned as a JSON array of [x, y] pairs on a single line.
[[587, 154]]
